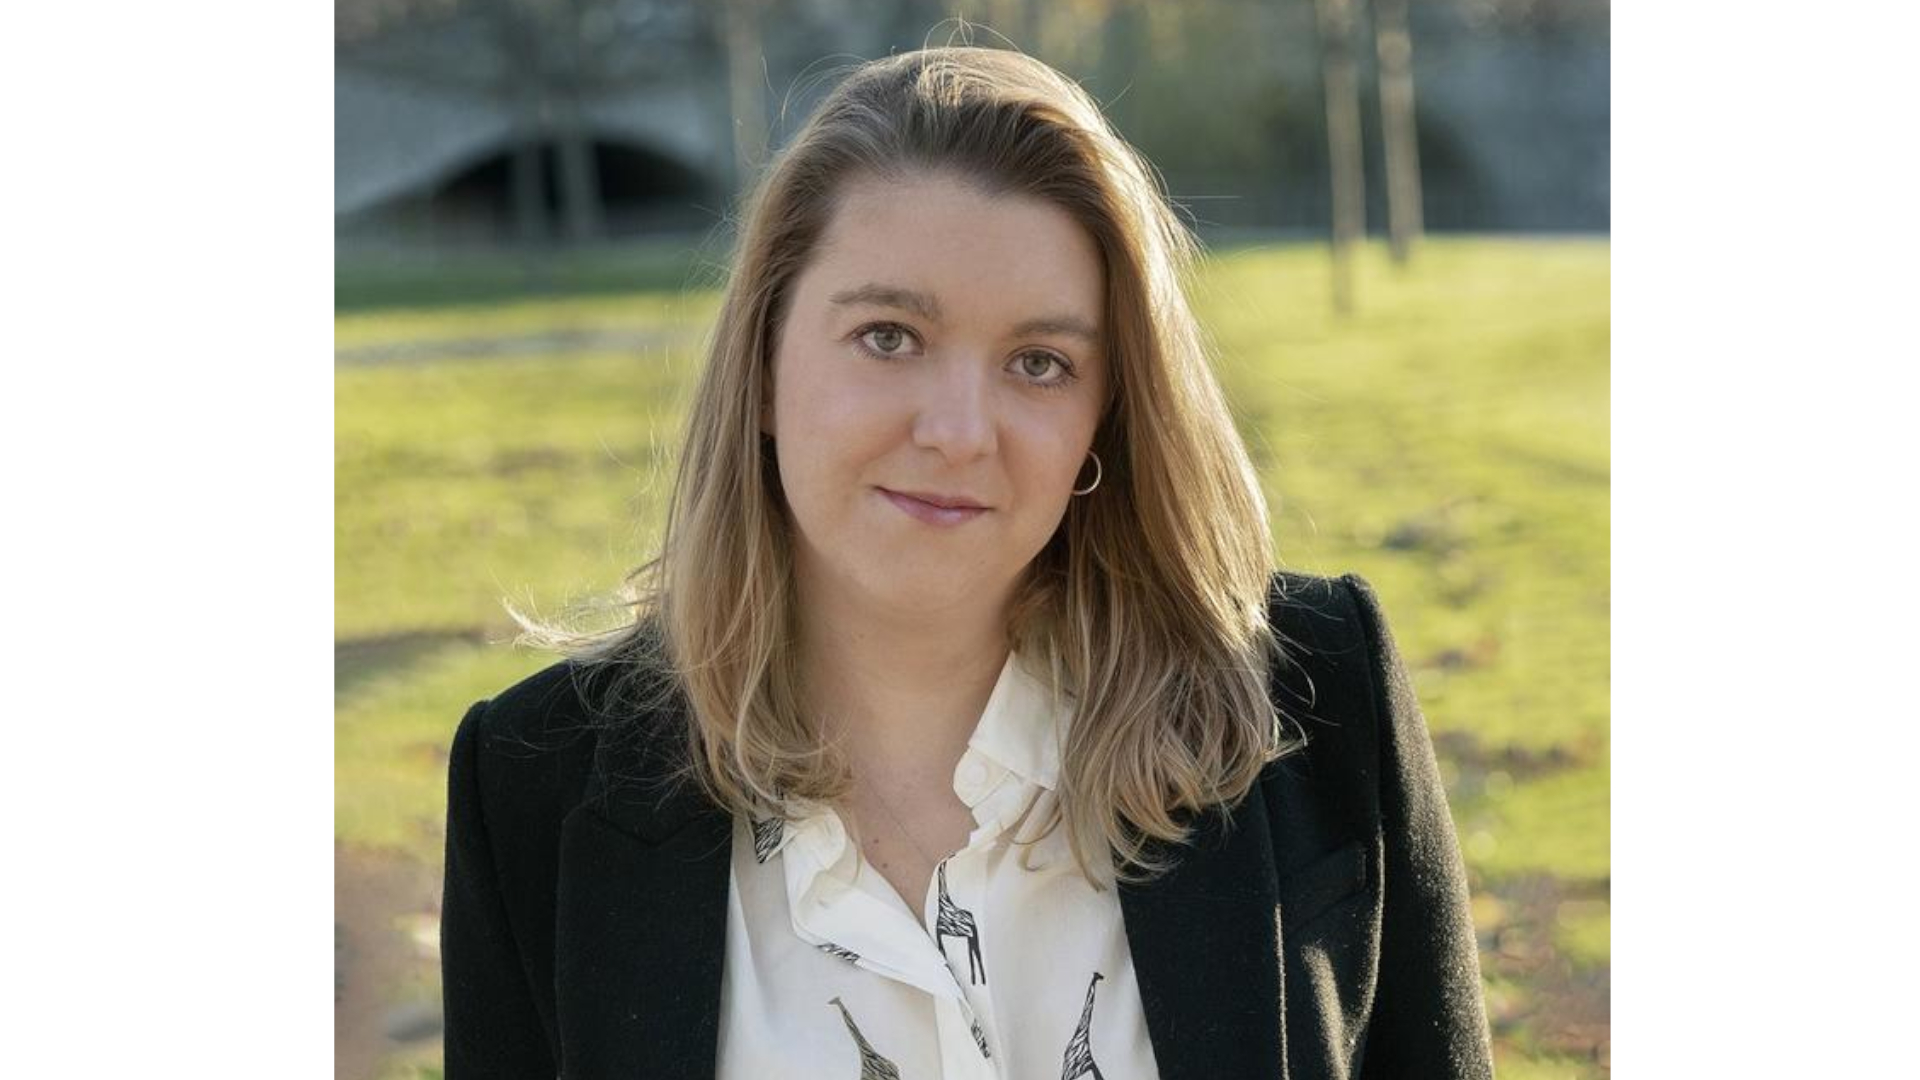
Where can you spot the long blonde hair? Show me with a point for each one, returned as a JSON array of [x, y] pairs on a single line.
[[1149, 605]]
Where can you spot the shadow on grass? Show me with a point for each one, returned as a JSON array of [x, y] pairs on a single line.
[[364, 282], [359, 661]]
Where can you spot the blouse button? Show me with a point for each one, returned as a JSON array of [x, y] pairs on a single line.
[[973, 778]]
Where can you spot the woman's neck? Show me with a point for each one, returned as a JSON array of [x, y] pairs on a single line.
[[904, 690]]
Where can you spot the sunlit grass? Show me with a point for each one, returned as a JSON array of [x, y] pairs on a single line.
[[1555, 824], [1583, 931], [1517, 1065], [459, 484], [667, 314], [391, 738]]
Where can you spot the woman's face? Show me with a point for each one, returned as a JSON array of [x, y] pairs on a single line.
[[942, 348]]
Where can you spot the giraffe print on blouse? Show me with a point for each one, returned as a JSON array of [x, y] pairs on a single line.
[[840, 951], [1079, 1056], [766, 837], [955, 921], [872, 1065]]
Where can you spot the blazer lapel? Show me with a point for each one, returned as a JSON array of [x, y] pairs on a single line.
[[1206, 943], [640, 936], [640, 926]]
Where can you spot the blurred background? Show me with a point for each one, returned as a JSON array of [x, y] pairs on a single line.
[[1405, 206]]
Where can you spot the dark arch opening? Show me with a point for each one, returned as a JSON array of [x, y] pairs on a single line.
[[641, 192]]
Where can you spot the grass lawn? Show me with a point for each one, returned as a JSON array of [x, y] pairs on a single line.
[[1449, 442]]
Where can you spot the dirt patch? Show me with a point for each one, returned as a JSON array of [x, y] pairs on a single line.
[[1465, 752], [1565, 1008], [386, 917], [1561, 1006]]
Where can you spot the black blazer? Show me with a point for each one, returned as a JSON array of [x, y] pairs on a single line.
[[1321, 932]]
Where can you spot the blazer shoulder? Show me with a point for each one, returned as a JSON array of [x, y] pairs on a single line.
[[1320, 675], [540, 715], [579, 731], [533, 746], [1322, 685], [1315, 614]]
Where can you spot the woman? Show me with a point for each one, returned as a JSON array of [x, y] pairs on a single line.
[[947, 739]]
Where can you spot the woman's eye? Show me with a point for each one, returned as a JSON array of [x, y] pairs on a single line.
[[1035, 366], [886, 340]]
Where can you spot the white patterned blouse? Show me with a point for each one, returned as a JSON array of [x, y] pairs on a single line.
[[1026, 973]]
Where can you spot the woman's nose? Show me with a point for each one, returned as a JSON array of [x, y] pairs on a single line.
[[956, 411]]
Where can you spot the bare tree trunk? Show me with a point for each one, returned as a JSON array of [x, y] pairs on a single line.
[[524, 89], [579, 183], [529, 189], [744, 78], [573, 142], [1395, 48], [1343, 143]]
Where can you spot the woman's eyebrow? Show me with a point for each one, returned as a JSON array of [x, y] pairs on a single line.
[[893, 296], [1059, 325], [925, 306]]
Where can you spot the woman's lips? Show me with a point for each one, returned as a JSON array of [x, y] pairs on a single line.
[[931, 514]]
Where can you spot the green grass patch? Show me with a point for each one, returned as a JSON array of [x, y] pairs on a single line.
[[1583, 931], [669, 316], [1556, 824], [391, 738], [1518, 1065], [457, 485], [1449, 441]]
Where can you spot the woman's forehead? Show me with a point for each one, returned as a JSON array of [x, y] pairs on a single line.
[[941, 248]]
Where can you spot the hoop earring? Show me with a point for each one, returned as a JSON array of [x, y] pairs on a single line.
[[1098, 472]]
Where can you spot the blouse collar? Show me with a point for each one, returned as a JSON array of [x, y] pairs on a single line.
[[1023, 725], [1020, 731]]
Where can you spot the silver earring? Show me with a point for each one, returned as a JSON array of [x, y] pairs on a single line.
[[1097, 473]]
